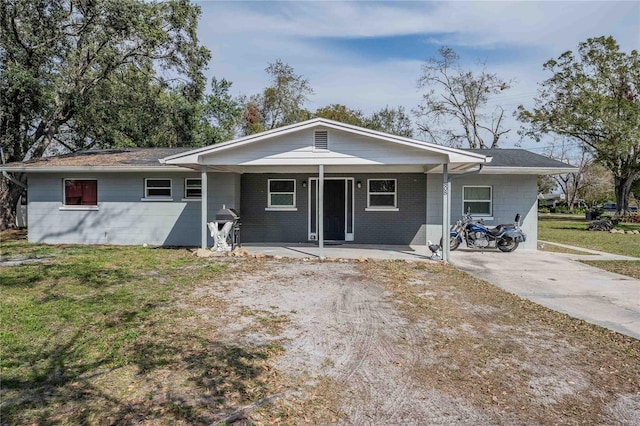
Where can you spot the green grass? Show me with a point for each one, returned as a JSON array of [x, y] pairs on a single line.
[[98, 330], [572, 230]]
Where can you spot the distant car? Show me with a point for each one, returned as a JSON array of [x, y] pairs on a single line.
[[613, 207], [610, 207]]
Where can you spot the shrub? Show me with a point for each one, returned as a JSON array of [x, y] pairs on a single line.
[[630, 218]]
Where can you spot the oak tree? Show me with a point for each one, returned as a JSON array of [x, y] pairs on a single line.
[[82, 74], [222, 113], [593, 98], [391, 120], [341, 113]]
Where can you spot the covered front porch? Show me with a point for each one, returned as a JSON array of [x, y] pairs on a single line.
[[321, 210], [320, 181]]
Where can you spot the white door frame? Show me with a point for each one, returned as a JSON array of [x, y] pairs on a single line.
[[313, 184]]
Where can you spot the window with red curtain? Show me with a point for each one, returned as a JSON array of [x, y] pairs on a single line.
[[80, 192]]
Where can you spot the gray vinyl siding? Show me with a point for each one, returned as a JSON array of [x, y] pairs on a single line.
[[122, 218], [402, 227], [512, 194]]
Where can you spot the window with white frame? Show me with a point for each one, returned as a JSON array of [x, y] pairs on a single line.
[[80, 192], [282, 193], [193, 188], [157, 188], [477, 200], [382, 194]]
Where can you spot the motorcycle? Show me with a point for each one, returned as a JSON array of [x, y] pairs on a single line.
[[476, 234]]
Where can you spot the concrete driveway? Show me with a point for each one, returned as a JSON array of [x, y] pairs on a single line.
[[559, 282], [554, 280]]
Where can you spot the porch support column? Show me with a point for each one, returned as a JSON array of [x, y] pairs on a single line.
[[426, 213], [321, 209], [203, 207], [446, 213]]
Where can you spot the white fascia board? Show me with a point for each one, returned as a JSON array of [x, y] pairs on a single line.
[[528, 170], [194, 156], [75, 169]]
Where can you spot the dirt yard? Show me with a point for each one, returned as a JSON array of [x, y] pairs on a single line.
[[403, 343], [130, 335]]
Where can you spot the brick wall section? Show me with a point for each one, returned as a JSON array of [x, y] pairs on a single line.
[[403, 227], [370, 227], [259, 225]]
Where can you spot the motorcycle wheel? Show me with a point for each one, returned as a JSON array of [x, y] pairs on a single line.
[[454, 243], [507, 246]]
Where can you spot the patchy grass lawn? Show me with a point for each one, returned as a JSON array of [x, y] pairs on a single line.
[[132, 335], [509, 355], [112, 335], [572, 230]]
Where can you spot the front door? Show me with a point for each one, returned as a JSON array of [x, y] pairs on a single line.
[[338, 209], [334, 208]]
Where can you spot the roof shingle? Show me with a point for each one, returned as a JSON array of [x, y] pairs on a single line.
[[518, 158], [150, 157], [121, 157]]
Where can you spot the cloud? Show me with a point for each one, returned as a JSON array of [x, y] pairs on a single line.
[[475, 23], [315, 38]]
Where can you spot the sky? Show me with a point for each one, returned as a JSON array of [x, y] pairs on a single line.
[[368, 54]]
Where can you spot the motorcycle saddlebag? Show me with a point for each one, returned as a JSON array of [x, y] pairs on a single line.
[[516, 235]]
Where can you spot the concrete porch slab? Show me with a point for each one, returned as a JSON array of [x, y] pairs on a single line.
[[340, 251]]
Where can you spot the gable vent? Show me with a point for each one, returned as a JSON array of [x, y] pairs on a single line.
[[321, 139]]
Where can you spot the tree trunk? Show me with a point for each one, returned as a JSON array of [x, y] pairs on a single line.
[[9, 197], [622, 189]]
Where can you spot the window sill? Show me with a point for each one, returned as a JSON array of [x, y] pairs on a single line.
[[481, 217], [78, 208], [281, 209], [192, 199], [382, 209], [157, 199]]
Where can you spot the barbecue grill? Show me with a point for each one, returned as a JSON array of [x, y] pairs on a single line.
[[225, 215]]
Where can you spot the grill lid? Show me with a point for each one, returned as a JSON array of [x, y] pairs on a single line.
[[228, 215]]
